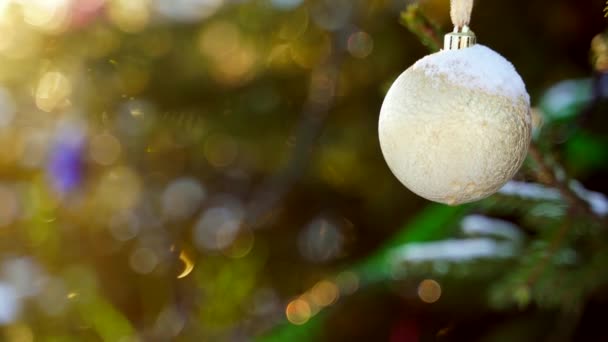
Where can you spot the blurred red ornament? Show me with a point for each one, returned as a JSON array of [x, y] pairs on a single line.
[[85, 11]]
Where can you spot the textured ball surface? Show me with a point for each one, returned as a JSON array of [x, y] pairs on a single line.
[[455, 126]]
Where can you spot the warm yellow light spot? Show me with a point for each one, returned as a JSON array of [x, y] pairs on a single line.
[[429, 291], [129, 15], [298, 312], [53, 91], [238, 67], [233, 57], [47, 15], [72, 295], [104, 149], [307, 297], [188, 265], [4, 8], [324, 293], [15, 41], [219, 40], [19, 43]]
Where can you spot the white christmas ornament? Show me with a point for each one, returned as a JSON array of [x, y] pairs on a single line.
[[455, 126]]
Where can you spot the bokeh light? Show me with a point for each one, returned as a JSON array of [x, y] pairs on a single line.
[[10, 304], [331, 14], [298, 311], [25, 275], [348, 282], [119, 189], [129, 15], [324, 293], [104, 149], [124, 225], [182, 198], [65, 163], [53, 91], [143, 260], [33, 148], [429, 291], [321, 240], [218, 226], [85, 11], [47, 15], [242, 244], [169, 322], [360, 44], [232, 54], [53, 298]]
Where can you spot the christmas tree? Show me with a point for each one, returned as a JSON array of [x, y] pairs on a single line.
[[211, 170]]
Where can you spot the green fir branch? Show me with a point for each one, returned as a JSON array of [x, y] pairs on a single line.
[[427, 31]]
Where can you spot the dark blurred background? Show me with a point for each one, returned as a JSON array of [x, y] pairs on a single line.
[[209, 170]]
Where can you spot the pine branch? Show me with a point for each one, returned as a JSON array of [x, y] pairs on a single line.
[[553, 248], [427, 31], [546, 175]]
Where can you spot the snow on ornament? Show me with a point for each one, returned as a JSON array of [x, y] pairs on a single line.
[[455, 126]]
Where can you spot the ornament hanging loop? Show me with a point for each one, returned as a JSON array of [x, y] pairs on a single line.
[[460, 12], [462, 37]]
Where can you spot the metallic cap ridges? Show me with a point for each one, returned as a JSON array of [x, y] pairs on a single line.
[[460, 38]]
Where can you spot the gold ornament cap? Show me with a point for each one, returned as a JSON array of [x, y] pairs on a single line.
[[460, 38]]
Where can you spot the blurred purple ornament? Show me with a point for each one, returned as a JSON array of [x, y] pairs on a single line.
[[65, 166]]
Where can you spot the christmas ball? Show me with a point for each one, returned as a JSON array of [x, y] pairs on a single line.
[[455, 126]]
